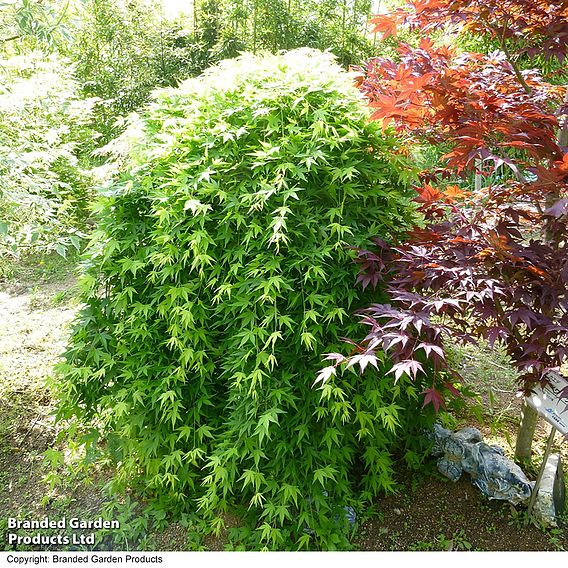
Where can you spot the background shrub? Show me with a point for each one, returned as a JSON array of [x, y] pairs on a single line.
[[44, 186], [219, 275], [123, 50]]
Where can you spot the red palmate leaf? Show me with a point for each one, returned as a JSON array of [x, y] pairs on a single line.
[[429, 194], [433, 397], [408, 367], [385, 25]]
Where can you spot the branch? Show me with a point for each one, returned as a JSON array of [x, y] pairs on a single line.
[[503, 45], [562, 137], [7, 39], [518, 74], [502, 41]]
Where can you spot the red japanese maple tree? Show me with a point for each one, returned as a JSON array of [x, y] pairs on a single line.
[[491, 263], [539, 26]]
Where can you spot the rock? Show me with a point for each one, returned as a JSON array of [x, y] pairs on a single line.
[[350, 515], [495, 475], [471, 435], [347, 514], [551, 498]]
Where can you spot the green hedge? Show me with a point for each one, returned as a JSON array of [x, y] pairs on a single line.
[[220, 274]]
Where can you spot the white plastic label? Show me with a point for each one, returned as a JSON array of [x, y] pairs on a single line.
[[551, 402]]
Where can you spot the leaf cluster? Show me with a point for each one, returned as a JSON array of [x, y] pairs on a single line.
[[45, 184], [488, 264], [473, 274], [535, 27], [473, 102], [31, 25]]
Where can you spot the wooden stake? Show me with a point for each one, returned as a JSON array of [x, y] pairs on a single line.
[[540, 474]]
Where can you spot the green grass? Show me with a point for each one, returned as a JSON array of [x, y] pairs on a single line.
[[457, 541], [34, 270]]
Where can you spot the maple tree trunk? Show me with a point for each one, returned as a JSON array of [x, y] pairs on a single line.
[[563, 131], [529, 416], [254, 27], [523, 449]]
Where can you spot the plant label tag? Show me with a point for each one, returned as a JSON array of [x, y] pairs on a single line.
[[551, 401]]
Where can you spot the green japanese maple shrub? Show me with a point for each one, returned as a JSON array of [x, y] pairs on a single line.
[[220, 274]]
